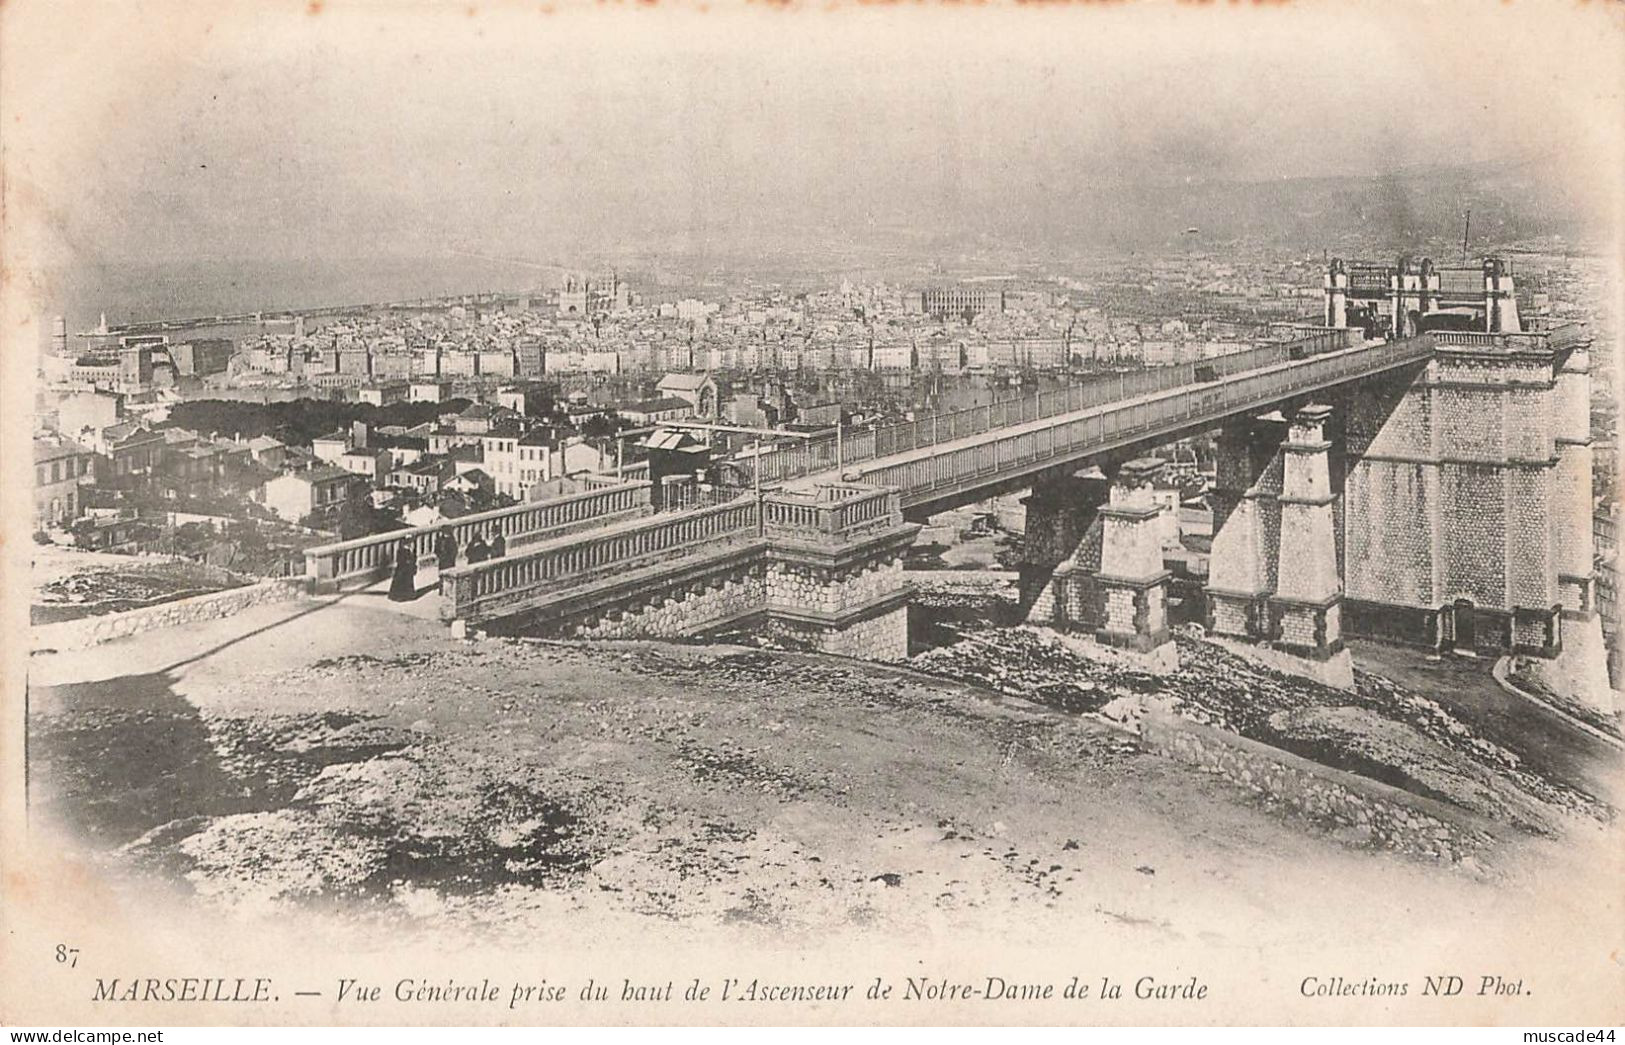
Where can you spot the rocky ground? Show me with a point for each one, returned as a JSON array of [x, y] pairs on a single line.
[[515, 787], [528, 770], [70, 584], [1381, 730]]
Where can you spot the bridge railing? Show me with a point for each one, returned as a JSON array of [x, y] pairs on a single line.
[[808, 457], [1022, 447], [838, 511], [371, 557], [1461, 282], [470, 591], [1556, 338]]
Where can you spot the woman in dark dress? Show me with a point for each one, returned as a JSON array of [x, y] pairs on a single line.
[[404, 586], [499, 545], [477, 550]]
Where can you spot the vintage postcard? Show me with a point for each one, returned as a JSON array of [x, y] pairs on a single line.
[[811, 513]]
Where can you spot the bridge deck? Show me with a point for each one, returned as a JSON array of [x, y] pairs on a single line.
[[997, 455]]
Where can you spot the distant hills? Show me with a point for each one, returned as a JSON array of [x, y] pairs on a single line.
[[1376, 215], [1404, 210]]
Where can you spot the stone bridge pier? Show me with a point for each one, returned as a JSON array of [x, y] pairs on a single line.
[[1246, 527], [1062, 536], [1468, 507], [1132, 582], [1444, 505], [1306, 610], [1274, 575], [818, 568], [1107, 533]]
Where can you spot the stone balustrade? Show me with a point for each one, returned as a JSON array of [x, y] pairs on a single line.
[[1559, 337], [481, 589], [823, 564], [366, 559], [838, 511]]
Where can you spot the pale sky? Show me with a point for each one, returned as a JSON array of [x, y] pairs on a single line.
[[403, 129]]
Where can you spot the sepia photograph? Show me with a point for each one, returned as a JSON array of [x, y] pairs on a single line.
[[811, 513]]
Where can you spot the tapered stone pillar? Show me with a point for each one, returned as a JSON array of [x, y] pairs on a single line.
[[1570, 503], [1132, 579], [1246, 519], [1306, 609], [1579, 671], [1060, 512], [1500, 298]]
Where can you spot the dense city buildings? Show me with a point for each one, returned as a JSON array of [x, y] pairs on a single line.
[[437, 408]]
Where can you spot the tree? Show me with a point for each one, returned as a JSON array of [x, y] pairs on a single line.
[[603, 426], [358, 518], [191, 540]]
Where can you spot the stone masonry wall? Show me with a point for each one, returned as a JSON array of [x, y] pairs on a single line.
[[1243, 558], [881, 638], [1391, 521], [695, 606], [1072, 596], [1120, 609], [1060, 517], [799, 586], [91, 631], [1365, 811], [1451, 486], [682, 611], [1531, 566], [1298, 629], [1571, 497], [1473, 534], [1229, 618]]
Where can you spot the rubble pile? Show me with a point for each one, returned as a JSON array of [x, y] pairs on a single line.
[[1035, 665]]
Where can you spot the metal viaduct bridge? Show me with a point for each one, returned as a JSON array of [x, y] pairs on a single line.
[[829, 492]]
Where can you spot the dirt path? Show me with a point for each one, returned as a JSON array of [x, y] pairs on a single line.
[[1546, 742]]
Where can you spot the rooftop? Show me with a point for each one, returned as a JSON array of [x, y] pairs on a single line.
[[688, 382], [671, 439], [663, 403], [55, 449], [322, 474]]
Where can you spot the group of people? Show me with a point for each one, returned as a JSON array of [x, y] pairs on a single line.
[[445, 548], [403, 585]]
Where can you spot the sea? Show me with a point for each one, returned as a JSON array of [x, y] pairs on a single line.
[[142, 291]]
